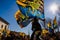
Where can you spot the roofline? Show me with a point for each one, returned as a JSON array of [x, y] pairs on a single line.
[[3, 20]]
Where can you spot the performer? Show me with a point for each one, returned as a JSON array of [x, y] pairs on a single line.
[[36, 28]]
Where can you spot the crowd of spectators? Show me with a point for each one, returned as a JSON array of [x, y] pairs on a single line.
[[47, 36]]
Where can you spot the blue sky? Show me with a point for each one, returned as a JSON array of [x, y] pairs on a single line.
[[9, 7], [46, 7]]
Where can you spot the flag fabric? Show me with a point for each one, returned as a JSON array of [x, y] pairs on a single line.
[[49, 27], [41, 8], [21, 19], [44, 31], [32, 9], [18, 15], [49, 24], [54, 23]]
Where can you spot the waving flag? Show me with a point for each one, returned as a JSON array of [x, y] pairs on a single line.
[[49, 25], [21, 19], [33, 9], [54, 23], [30, 9], [41, 8]]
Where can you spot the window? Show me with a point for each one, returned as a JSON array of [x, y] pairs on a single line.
[[5, 27], [1, 26]]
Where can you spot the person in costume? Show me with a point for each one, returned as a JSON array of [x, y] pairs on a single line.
[[36, 28]]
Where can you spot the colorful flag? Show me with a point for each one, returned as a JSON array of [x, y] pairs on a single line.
[[49, 24], [41, 8], [54, 23], [21, 19], [30, 9], [33, 9]]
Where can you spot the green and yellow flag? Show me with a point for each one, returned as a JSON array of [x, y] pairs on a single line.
[[49, 24], [55, 23], [28, 10]]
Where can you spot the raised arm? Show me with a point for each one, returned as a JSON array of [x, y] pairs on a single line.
[[21, 3]]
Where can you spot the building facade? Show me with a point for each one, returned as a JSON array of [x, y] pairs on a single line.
[[3, 26]]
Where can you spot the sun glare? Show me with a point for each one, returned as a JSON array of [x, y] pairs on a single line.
[[53, 8]]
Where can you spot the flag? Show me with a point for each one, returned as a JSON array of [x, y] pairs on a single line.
[[21, 19], [32, 9], [18, 14], [44, 31], [28, 10], [50, 27], [49, 24], [54, 23], [41, 8]]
